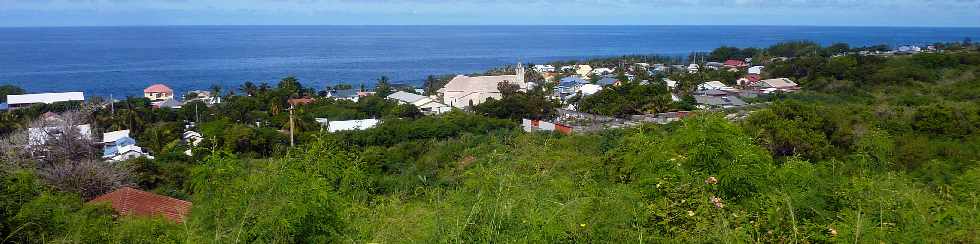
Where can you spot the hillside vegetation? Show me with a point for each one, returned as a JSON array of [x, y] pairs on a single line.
[[875, 149]]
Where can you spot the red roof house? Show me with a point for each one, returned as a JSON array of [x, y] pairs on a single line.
[[158, 92], [158, 88], [129, 201], [300, 101], [732, 63]]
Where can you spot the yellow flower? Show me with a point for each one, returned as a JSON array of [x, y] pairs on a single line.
[[583, 225]]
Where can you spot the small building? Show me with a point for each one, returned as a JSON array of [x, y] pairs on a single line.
[[589, 89], [693, 68], [607, 81], [756, 70], [714, 65], [203, 96], [538, 125], [714, 85], [296, 102], [544, 68], [709, 102], [425, 104], [348, 125], [346, 94], [778, 84], [570, 85], [26, 100], [39, 136], [734, 63], [583, 70], [119, 146], [191, 138], [158, 92], [129, 201], [671, 84], [169, 103], [603, 71], [749, 80]]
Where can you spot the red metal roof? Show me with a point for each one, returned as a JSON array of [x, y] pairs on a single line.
[[161, 88], [129, 201], [734, 63], [301, 101]]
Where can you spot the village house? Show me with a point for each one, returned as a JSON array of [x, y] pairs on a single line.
[[348, 125], [693, 68], [748, 81], [544, 68], [158, 92], [583, 70], [778, 84], [608, 81], [570, 85], [203, 96], [295, 102], [55, 126], [129, 201], [756, 70], [26, 100], [425, 104], [589, 89], [734, 63], [119, 146], [715, 85], [464, 91], [710, 101], [714, 65], [169, 103], [603, 71], [191, 138], [345, 94]]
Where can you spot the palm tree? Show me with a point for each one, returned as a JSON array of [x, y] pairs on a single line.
[[249, 88], [216, 90]]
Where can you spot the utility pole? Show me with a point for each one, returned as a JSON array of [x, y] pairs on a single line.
[[112, 106], [292, 137], [197, 117]]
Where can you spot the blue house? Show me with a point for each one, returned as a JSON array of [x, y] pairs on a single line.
[[571, 84], [113, 141]]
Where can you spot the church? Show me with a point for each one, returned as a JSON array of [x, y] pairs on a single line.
[[464, 91]]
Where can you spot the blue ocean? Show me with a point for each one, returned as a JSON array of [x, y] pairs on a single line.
[[121, 61]]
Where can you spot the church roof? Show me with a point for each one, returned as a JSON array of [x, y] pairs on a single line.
[[480, 83]]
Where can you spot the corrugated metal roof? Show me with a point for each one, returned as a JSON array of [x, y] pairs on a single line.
[[406, 97], [130, 201], [45, 98], [114, 136]]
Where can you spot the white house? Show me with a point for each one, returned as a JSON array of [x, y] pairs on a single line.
[[191, 138], [26, 100], [755, 70], [693, 68], [425, 104], [463, 91], [589, 89], [603, 71], [347, 125], [544, 68], [39, 136]]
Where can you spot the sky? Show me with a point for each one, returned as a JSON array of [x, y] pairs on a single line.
[[954, 13]]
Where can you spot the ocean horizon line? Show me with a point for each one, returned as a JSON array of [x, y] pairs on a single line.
[[489, 25]]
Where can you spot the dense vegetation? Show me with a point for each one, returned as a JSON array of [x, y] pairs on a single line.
[[876, 149]]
